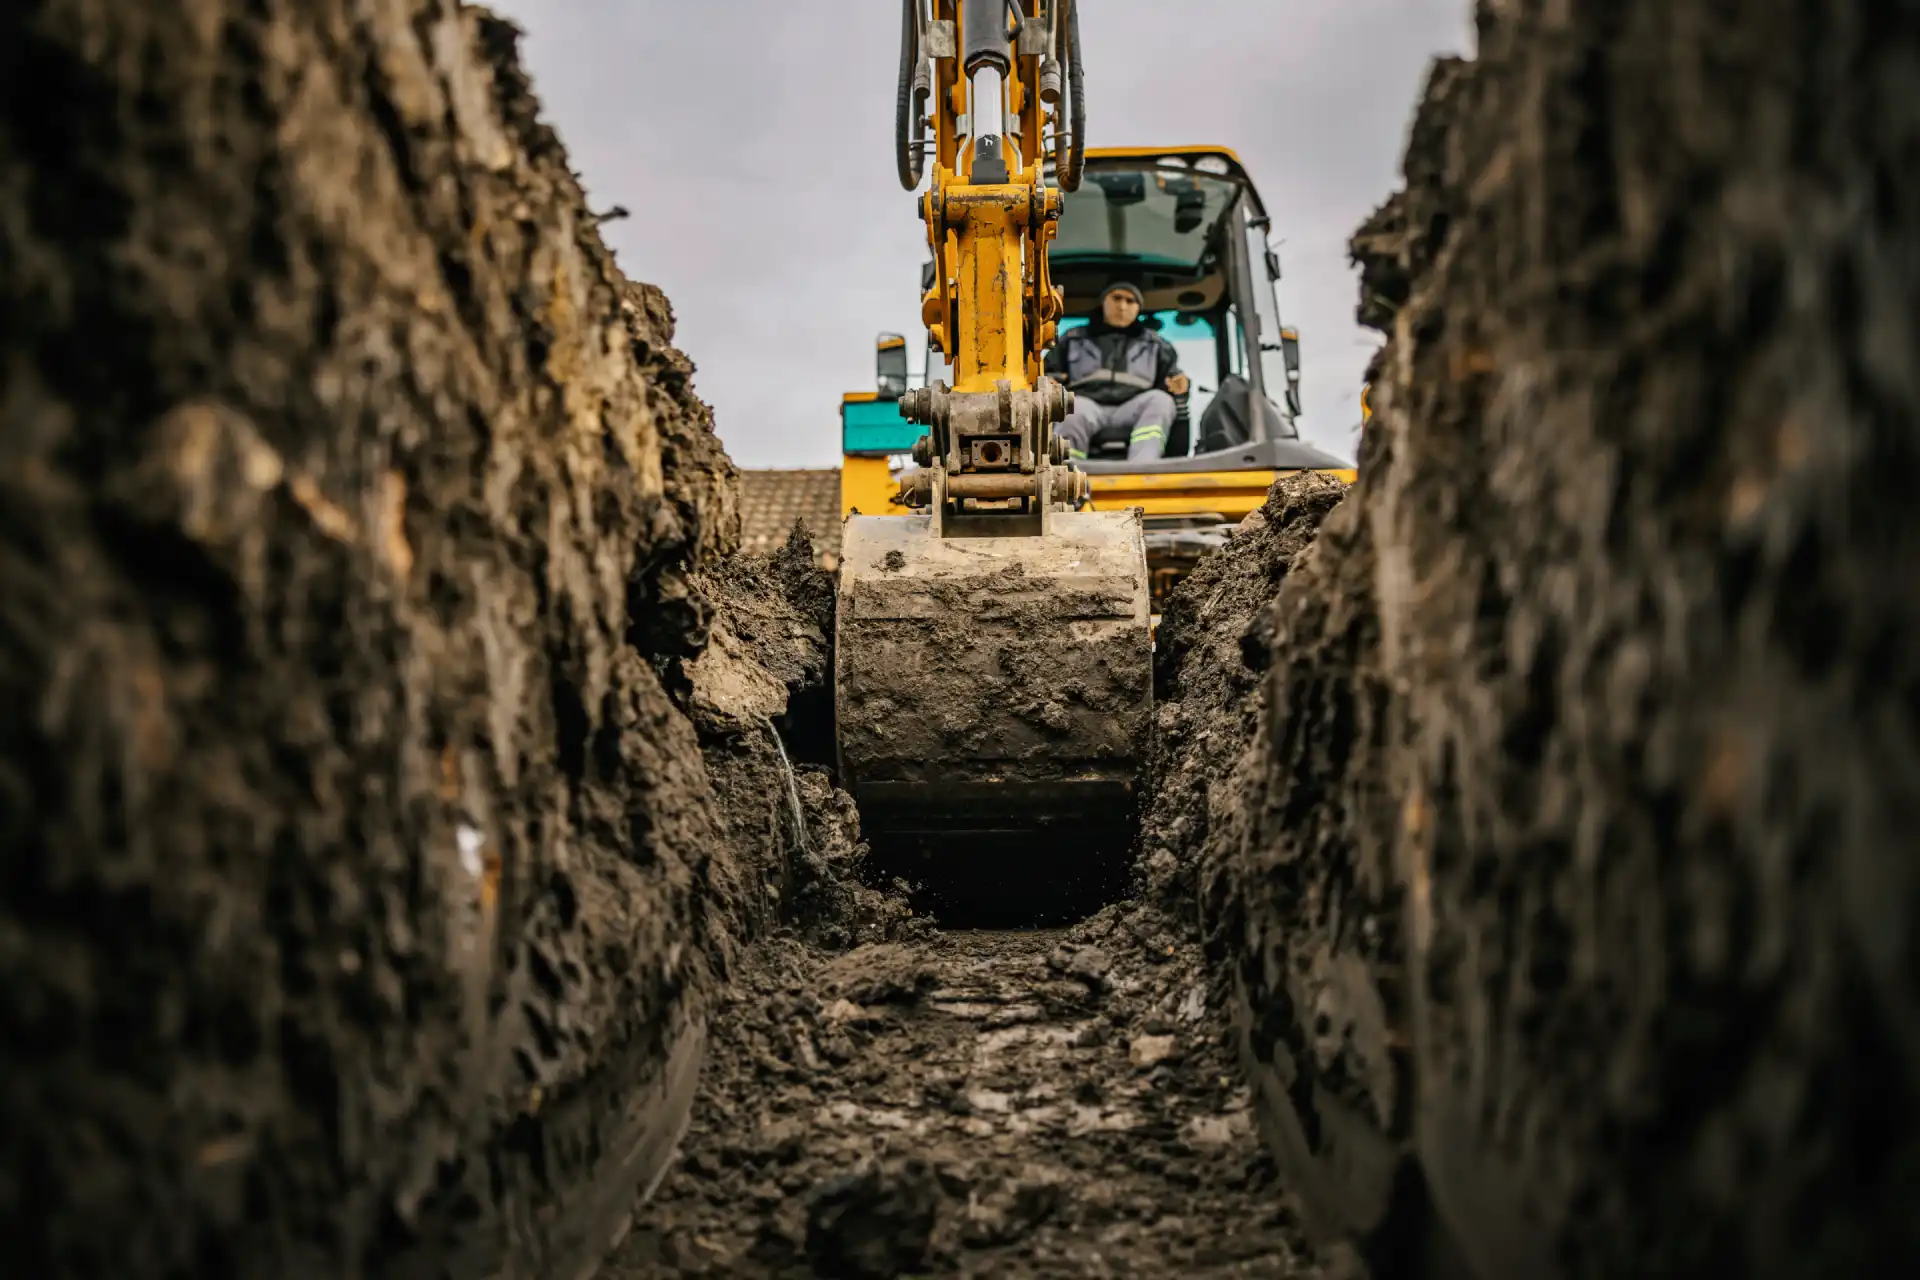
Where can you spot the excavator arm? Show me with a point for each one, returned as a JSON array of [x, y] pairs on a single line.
[[993, 658], [989, 212], [991, 75]]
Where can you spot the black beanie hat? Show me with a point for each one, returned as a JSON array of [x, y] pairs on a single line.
[[1138, 297]]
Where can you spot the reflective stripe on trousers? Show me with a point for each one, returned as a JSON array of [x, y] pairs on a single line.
[[1143, 422]]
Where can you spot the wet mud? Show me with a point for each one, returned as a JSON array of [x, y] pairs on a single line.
[[362, 887], [1049, 1102], [894, 1096], [994, 708]]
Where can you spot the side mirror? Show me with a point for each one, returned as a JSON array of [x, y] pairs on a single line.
[[890, 365], [1261, 226], [1290, 353]]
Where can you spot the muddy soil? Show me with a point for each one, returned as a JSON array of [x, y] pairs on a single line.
[[361, 882], [1006, 699], [1571, 909], [760, 698], [893, 1098], [1006, 1103], [1270, 850], [401, 790], [1210, 652]]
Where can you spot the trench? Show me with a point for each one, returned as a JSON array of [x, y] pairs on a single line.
[[993, 1054], [1027, 1082]]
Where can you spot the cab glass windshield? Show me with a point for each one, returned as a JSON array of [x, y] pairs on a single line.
[[1152, 216]]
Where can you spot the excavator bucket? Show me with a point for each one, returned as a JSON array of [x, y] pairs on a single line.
[[994, 693]]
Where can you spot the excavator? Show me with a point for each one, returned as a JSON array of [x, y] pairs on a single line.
[[1188, 225], [993, 653]]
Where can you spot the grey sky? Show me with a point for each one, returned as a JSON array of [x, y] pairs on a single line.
[[752, 140]]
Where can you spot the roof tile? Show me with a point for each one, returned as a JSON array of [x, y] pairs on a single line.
[[771, 500]]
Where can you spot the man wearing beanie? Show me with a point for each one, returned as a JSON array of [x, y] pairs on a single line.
[[1124, 377]]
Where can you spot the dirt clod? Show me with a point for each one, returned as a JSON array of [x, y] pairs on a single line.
[[1149, 1051], [1089, 965], [875, 1223], [881, 973]]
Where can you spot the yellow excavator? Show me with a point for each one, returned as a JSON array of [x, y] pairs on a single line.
[[993, 664], [1187, 225], [993, 655]]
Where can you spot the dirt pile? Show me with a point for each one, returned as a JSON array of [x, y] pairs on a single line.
[[1573, 893], [760, 696], [362, 885]]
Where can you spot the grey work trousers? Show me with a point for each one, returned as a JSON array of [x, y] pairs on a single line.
[[1143, 422]]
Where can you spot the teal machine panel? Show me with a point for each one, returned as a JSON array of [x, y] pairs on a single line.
[[874, 427]]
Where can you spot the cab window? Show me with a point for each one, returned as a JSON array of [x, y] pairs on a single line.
[[1198, 343], [1144, 217]]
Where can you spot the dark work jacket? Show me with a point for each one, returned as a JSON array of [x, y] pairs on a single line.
[[1112, 366]]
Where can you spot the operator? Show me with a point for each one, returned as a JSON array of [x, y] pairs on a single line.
[[1123, 375]]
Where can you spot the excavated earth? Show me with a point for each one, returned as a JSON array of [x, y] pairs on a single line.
[[364, 887], [1049, 1102], [407, 794]]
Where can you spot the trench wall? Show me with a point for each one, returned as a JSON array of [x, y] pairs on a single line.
[[361, 878], [1573, 889]]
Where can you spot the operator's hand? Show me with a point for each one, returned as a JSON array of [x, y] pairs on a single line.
[[1178, 384]]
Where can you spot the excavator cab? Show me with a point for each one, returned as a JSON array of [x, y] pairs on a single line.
[[1188, 227]]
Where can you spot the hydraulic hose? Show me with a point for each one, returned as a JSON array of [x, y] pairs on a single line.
[[909, 115], [1070, 173]]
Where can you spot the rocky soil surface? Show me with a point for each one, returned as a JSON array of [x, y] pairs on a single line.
[[362, 882], [1571, 905], [1007, 1103]]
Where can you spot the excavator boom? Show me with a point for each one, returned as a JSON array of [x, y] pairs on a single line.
[[994, 657]]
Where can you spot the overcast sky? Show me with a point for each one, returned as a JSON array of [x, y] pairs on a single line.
[[752, 141]]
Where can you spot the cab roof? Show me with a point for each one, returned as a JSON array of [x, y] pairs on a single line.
[[1190, 157]]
